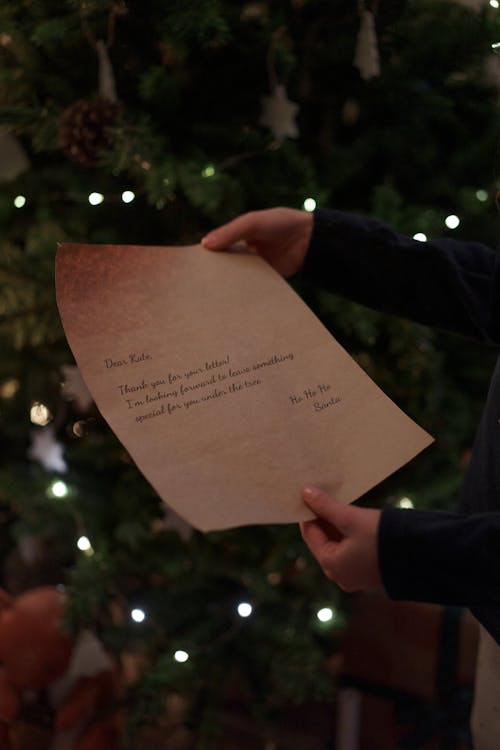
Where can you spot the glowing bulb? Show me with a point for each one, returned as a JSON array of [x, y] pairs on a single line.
[[40, 414], [245, 609], [452, 221], [95, 198], [138, 615], [494, 4], [481, 195], [309, 204], [83, 543], [420, 236], [405, 502], [325, 614], [9, 388], [128, 196], [181, 656], [209, 171], [19, 201], [58, 488]]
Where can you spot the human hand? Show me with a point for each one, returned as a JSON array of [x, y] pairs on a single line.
[[280, 235], [343, 539]]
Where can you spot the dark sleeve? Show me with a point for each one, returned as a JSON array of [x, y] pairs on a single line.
[[445, 283], [441, 557]]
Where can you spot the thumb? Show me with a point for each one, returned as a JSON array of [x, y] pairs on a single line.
[[329, 509], [228, 234]]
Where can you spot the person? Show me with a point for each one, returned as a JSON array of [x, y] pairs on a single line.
[[419, 555]]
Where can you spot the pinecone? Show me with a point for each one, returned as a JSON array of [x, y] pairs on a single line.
[[83, 128]]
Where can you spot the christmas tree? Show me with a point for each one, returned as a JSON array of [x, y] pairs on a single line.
[[151, 123]]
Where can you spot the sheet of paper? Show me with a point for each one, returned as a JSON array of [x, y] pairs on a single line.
[[226, 390]]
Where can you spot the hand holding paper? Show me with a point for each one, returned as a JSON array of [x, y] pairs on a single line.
[[226, 390], [279, 235], [344, 540]]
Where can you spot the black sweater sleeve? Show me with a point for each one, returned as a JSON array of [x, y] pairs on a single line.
[[435, 556], [431, 556], [444, 283], [446, 558]]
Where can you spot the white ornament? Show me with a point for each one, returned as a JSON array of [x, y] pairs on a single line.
[[46, 450], [74, 388], [107, 87], [366, 58], [278, 114]]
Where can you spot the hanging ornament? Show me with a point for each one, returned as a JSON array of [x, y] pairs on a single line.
[[278, 112], [46, 450], [366, 57], [84, 126], [83, 129], [74, 388]]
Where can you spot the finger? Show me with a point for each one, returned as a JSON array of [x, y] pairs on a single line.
[[322, 547], [330, 510], [228, 234], [313, 533], [319, 542]]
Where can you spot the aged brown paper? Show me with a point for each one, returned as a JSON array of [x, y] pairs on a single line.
[[226, 390]]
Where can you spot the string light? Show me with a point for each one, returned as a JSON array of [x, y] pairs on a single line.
[[452, 221], [325, 614], [40, 414], [181, 656], [128, 196], [405, 502], [58, 488], [19, 201], [420, 236], [78, 429], [84, 544], [209, 171], [481, 195], [95, 199], [138, 615], [9, 388], [245, 609], [309, 204]]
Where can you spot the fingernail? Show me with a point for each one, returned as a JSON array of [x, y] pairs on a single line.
[[310, 494], [208, 241]]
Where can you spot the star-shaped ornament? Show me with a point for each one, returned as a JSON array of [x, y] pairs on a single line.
[[46, 450], [279, 113]]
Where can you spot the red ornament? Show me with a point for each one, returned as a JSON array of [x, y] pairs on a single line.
[[35, 653], [34, 649]]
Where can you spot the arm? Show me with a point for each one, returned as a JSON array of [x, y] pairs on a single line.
[[440, 557], [417, 555], [444, 283]]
